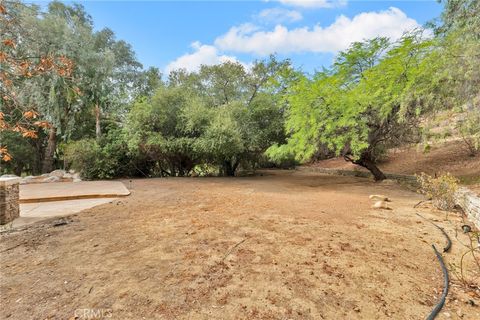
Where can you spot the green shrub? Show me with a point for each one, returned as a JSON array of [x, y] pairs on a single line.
[[441, 190], [87, 157]]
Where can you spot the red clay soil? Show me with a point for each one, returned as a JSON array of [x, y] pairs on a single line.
[[285, 245], [450, 157]]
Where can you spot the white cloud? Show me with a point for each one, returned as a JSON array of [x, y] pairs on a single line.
[[202, 55], [278, 15], [314, 3], [391, 23]]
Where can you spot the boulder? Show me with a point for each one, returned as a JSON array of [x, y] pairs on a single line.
[[389, 182], [381, 205], [27, 179], [51, 179], [9, 176], [57, 173], [378, 197]]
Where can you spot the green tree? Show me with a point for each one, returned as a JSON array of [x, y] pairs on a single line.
[[156, 131], [360, 106], [244, 115], [101, 81]]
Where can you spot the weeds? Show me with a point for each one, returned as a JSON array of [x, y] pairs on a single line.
[[441, 190]]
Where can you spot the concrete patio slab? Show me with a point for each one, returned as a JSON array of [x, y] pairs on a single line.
[[60, 191], [34, 212]]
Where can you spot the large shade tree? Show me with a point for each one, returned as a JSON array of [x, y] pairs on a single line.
[[360, 107], [223, 115], [21, 64], [96, 79]]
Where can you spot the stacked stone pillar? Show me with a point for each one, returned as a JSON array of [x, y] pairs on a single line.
[[9, 196]]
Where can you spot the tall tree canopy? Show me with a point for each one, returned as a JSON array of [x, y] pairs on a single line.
[[95, 73], [223, 115]]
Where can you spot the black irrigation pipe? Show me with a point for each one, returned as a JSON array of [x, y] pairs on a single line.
[[446, 281], [449, 241]]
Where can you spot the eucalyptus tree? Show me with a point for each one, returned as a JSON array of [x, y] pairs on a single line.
[[109, 74], [104, 71], [61, 31], [21, 65]]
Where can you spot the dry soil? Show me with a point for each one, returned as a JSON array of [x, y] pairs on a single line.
[[284, 245]]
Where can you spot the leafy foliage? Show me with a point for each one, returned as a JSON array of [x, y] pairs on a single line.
[[100, 159], [223, 116], [361, 106], [92, 92]]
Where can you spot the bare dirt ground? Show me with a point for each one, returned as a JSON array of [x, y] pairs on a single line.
[[443, 157], [285, 245]]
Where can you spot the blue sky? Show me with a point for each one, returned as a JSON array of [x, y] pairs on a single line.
[[174, 34]]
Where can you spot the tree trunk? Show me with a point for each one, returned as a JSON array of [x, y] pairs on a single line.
[[378, 175], [229, 169], [47, 165], [366, 162], [98, 129]]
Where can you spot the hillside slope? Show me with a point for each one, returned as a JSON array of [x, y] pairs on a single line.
[[449, 156]]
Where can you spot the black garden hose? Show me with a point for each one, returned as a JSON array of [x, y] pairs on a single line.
[[440, 304], [449, 241]]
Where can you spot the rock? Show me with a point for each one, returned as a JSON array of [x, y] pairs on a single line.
[[76, 176], [51, 179], [68, 176], [381, 205], [45, 175], [378, 197], [257, 259], [27, 179], [389, 182], [77, 180], [57, 173], [71, 171], [9, 176]]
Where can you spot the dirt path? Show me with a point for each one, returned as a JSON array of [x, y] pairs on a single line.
[[286, 245]]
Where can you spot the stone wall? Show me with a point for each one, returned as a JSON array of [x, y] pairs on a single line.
[[470, 203], [9, 196]]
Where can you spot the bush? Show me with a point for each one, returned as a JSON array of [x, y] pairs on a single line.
[[441, 190], [106, 158], [87, 157]]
